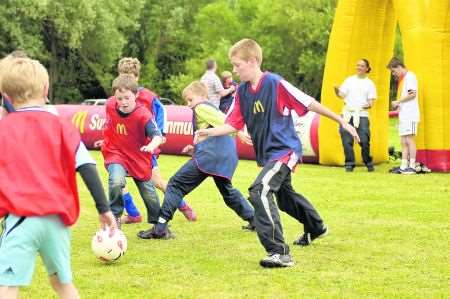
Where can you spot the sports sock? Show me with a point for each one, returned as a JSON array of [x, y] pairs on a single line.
[[129, 205], [182, 204], [412, 163], [404, 164]]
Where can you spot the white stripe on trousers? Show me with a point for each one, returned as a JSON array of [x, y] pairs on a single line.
[[266, 188]]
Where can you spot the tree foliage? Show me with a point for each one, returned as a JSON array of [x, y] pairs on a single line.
[[80, 41]]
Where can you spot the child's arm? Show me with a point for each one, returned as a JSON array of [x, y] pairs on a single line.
[[225, 129], [322, 110], [159, 111], [85, 165], [292, 98], [411, 95], [152, 131]]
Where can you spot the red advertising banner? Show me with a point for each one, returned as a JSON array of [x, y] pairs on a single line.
[[89, 120]]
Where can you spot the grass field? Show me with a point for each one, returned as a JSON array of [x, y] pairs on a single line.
[[389, 237]]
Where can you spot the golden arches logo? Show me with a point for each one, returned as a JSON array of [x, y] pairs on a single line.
[[258, 107], [121, 129], [78, 120]]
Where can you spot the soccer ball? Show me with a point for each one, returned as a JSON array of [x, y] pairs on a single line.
[[106, 248]]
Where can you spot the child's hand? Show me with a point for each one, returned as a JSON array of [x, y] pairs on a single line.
[[147, 148], [351, 130], [200, 133], [188, 149], [107, 220], [395, 104], [98, 143], [245, 138]]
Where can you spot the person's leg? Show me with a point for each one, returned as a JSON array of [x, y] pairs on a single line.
[[186, 179], [347, 143], [267, 218], [161, 184], [64, 290], [411, 140], [55, 253], [234, 199], [20, 242], [133, 215], [364, 135], [148, 193], [9, 292], [298, 207], [116, 182]]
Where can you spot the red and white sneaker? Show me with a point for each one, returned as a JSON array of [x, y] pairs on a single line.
[[127, 219], [188, 213]]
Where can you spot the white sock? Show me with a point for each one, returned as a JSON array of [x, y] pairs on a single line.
[[412, 163], [404, 164]]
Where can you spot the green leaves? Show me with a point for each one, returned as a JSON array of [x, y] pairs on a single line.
[[80, 41]]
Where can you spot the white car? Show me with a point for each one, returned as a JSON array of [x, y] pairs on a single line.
[[94, 102]]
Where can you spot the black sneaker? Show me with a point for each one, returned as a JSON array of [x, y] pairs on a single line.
[[370, 168], [152, 234], [276, 260], [349, 168], [307, 238]]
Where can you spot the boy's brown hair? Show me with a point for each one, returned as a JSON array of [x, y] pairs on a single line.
[[196, 88], [129, 65], [26, 79], [125, 81], [245, 49], [395, 62]]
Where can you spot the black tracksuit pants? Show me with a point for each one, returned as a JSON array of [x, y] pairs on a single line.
[[275, 179]]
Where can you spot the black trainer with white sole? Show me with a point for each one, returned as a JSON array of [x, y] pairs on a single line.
[[307, 238], [276, 260]]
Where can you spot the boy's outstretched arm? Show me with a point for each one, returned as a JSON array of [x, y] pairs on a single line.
[[322, 110], [224, 129], [86, 167], [92, 181]]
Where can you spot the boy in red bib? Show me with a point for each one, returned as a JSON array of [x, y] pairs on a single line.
[[39, 156], [130, 137]]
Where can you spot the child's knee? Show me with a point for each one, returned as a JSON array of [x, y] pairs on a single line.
[[9, 292]]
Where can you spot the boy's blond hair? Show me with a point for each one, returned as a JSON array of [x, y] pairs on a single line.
[[25, 79], [196, 88], [7, 59], [226, 74], [245, 49], [125, 82], [129, 65]]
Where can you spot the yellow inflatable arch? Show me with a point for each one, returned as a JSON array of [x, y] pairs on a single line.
[[366, 29]]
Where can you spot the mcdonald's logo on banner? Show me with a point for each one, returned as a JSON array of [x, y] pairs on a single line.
[[78, 120], [121, 129], [258, 107]]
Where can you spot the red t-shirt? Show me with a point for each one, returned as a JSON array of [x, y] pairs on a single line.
[[123, 139], [37, 166]]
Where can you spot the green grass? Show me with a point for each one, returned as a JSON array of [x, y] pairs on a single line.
[[389, 237]]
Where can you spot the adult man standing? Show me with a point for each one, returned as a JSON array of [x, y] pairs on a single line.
[[212, 81]]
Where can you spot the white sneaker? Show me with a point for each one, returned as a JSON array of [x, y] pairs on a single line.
[[276, 260]]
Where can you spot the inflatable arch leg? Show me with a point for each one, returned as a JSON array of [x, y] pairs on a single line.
[[366, 29]]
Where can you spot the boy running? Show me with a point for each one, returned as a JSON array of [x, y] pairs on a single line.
[[130, 134], [149, 99], [263, 103], [215, 157]]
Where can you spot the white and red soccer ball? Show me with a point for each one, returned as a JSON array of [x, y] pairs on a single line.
[[109, 248]]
